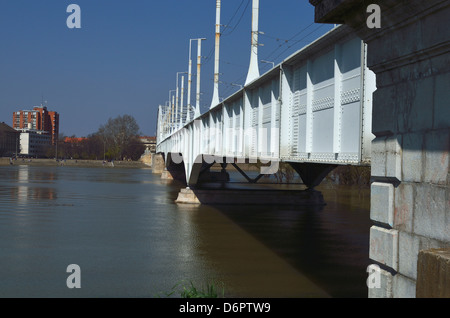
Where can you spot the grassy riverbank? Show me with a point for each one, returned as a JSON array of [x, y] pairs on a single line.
[[75, 163]]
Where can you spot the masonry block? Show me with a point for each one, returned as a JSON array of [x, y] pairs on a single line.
[[384, 246], [378, 157], [433, 274], [404, 207], [383, 114], [394, 157], [432, 212], [437, 146], [385, 290], [434, 28], [403, 287], [382, 203], [386, 157], [408, 246], [412, 163], [441, 100], [414, 104]]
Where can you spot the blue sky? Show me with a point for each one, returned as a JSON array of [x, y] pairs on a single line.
[[125, 57]]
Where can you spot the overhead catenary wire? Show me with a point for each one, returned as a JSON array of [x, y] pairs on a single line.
[[319, 27], [289, 40]]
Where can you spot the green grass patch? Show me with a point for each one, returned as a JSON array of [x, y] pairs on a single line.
[[189, 290]]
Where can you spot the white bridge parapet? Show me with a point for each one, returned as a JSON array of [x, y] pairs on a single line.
[[314, 107]]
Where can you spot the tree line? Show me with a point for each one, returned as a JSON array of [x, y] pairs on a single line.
[[118, 139]]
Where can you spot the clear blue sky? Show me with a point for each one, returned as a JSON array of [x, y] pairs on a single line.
[[125, 57]]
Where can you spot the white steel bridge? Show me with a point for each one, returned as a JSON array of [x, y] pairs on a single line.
[[313, 111]]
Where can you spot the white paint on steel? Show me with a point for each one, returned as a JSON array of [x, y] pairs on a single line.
[[215, 98], [253, 70], [314, 107]]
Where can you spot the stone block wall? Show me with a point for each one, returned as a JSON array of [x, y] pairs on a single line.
[[410, 203]]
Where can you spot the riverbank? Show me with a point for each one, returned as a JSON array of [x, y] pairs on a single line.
[[75, 163]]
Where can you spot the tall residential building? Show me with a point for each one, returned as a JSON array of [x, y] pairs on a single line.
[[38, 119]]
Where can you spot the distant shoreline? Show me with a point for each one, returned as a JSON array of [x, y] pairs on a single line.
[[75, 163]]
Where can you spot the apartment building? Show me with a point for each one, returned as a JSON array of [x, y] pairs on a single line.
[[39, 119]]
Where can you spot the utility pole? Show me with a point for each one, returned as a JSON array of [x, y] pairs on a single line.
[[181, 102], [215, 100], [253, 70], [189, 106], [199, 64]]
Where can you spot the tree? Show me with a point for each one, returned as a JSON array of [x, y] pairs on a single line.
[[118, 133], [134, 149]]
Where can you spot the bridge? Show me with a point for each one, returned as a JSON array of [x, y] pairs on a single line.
[[312, 111]]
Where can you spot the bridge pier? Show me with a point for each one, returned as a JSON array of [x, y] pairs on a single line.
[[212, 187], [410, 207], [157, 163], [312, 174], [250, 195]]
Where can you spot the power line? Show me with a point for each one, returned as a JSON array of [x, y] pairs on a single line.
[[240, 18], [320, 26], [235, 12], [290, 39], [208, 57]]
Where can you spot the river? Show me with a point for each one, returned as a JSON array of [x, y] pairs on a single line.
[[130, 239]]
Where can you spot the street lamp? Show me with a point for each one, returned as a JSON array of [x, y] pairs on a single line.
[[188, 115], [171, 108], [176, 100]]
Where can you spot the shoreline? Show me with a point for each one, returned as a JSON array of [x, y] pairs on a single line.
[[74, 163]]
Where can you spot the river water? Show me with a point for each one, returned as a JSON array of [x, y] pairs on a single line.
[[130, 239]]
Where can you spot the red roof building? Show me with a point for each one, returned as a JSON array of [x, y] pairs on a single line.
[[38, 119]]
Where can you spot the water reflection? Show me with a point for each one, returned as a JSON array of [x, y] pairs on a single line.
[[26, 189]]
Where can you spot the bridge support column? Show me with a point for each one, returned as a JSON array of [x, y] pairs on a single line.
[[409, 53], [157, 163], [166, 175], [174, 170], [187, 196], [312, 174]]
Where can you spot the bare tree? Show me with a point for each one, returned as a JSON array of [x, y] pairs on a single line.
[[118, 133]]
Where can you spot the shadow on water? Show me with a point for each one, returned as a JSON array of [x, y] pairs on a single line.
[[327, 244]]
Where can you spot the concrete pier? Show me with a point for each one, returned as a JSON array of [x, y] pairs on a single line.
[[251, 196], [157, 163], [187, 196], [166, 175]]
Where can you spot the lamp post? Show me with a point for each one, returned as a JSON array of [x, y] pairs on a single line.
[[177, 100], [171, 109], [188, 115], [178, 121], [199, 64]]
